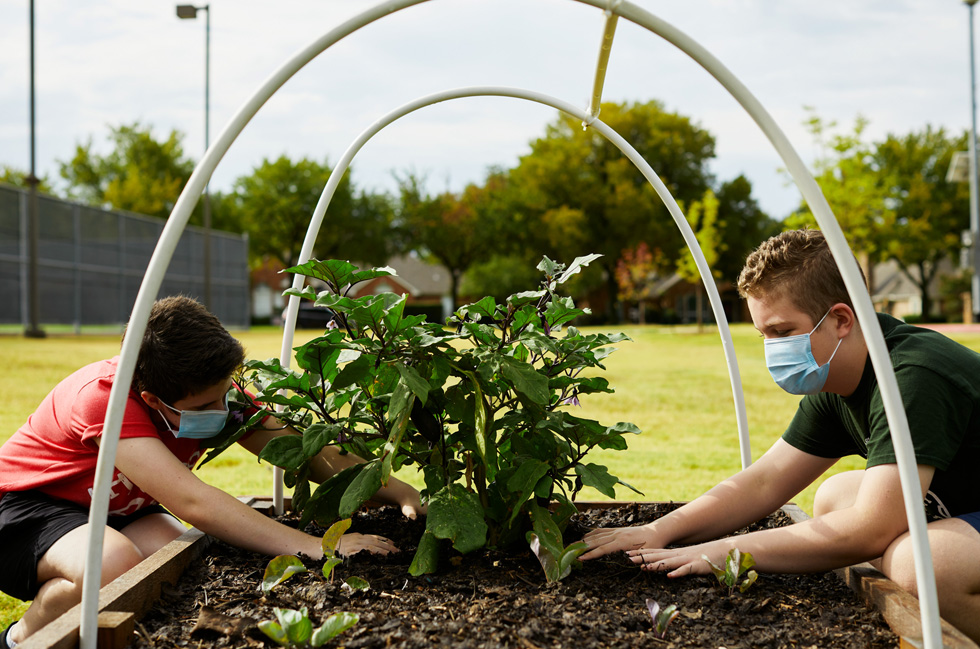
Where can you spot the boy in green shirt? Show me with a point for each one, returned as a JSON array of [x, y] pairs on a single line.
[[815, 347]]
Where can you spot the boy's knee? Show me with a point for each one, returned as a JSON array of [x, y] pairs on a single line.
[[118, 559]]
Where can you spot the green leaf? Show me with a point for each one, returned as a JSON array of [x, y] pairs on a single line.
[[332, 536], [411, 378], [750, 578], [285, 452], [353, 372], [317, 436], [329, 564], [337, 273], [426, 558], [526, 380], [397, 430], [356, 583], [548, 267], [597, 477], [365, 485], [296, 624], [577, 264], [332, 627], [279, 570], [456, 514], [529, 472], [273, 631]]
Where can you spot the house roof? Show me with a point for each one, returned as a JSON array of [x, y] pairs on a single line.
[[420, 278]]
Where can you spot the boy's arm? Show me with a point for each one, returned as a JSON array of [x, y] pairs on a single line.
[[330, 462], [839, 538], [154, 469], [746, 497]]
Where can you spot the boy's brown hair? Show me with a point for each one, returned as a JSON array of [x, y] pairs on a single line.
[[796, 264], [185, 350]]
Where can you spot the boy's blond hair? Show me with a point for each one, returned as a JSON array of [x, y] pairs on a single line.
[[796, 264]]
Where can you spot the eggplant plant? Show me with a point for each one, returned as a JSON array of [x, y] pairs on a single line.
[[483, 405]]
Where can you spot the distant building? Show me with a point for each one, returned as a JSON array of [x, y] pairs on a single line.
[[428, 287]]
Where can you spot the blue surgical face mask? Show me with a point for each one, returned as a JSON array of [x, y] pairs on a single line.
[[198, 424], [792, 366]]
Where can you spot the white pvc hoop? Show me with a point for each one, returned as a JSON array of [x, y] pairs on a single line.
[[289, 325], [898, 424]]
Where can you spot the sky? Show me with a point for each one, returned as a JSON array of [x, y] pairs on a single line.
[[901, 64]]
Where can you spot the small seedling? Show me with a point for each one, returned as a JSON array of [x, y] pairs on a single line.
[[330, 542], [279, 570], [661, 618], [294, 628], [355, 583], [548, 546], [737, 564]]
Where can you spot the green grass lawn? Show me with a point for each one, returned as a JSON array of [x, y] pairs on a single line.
[[670, 381]]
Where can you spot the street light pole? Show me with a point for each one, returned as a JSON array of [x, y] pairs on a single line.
[[33, 329], [974, 197], [190, 11]]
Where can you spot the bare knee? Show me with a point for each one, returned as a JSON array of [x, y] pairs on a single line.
[[837, 492], [119, 557]]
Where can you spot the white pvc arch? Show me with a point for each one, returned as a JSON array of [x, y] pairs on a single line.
[[625, 147], [864, 308]]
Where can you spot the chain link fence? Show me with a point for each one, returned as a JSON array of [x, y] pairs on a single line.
[[90, 264]]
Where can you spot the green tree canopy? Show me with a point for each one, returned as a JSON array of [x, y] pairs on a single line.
[[589, 197], [891, 198], [855, 186], [18, 178], [929, 213], [275, 204], [456, 230], [140, 174]]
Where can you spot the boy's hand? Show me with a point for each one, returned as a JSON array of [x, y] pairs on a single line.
[[681, 562], [352, 543], [615, 539]]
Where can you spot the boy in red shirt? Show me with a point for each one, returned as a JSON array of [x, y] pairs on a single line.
[[178, 397]]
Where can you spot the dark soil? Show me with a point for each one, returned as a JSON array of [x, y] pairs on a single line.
[[490, 599]]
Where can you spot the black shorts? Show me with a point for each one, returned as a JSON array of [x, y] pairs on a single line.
[[30, 523]]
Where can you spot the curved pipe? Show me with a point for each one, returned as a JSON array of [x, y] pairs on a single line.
[[891, 397], [811, 193], [625, 147]]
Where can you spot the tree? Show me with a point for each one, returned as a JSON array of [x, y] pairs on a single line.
[[703, 217], [930, 213], [588, 197], [634, 271], [275, 204], [854, 185], [140, 174], [448, 228], [18, 178], [892, 200]]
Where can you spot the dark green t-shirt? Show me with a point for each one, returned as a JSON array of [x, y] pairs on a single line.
[[939, 380]]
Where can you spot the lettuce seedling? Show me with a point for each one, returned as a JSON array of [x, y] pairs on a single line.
[[737, 564], [661, 618], [294, 628]]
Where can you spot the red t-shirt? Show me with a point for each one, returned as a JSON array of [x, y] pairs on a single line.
[[55, 452]]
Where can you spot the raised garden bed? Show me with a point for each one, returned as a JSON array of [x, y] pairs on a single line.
[[492, 599]]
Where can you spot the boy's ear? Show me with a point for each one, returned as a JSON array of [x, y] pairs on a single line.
[[846, 318], [151, 400]]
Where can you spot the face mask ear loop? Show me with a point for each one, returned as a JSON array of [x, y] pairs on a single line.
[[165, 421]]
